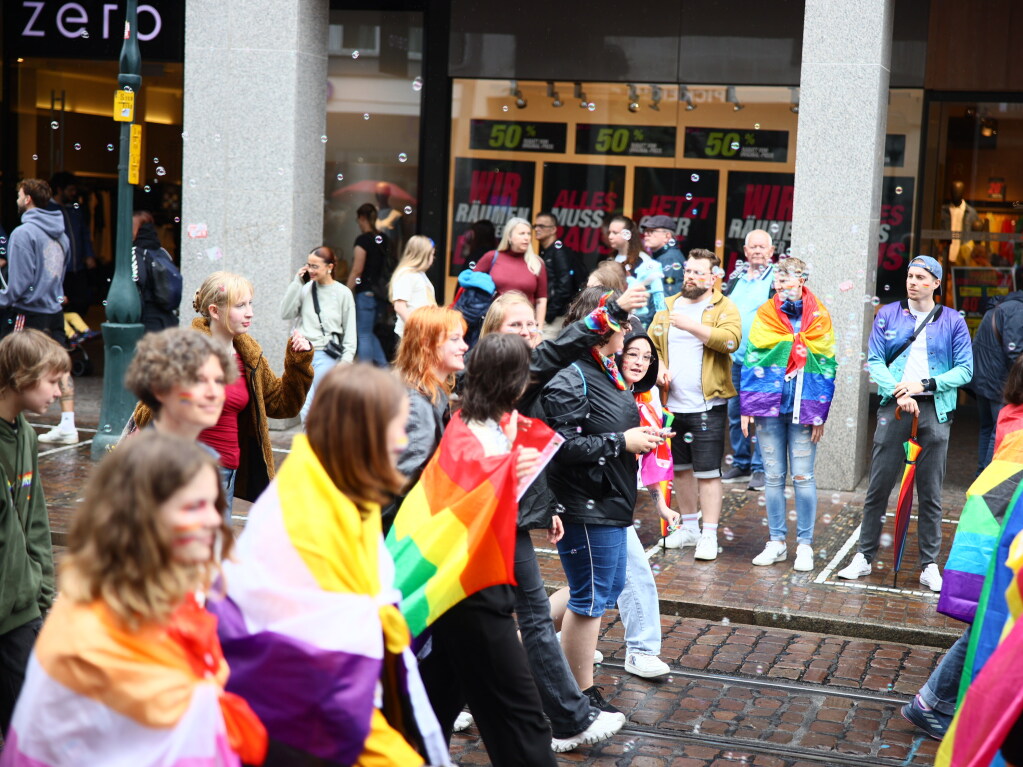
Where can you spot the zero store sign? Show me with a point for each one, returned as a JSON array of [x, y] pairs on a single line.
[[72, 20]]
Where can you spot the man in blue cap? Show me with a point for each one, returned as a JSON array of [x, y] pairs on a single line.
[[659, 241], [919, 355]]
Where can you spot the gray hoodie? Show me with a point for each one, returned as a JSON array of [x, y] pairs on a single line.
[[37, 256]]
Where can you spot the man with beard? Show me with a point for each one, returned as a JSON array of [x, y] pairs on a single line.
[[695, 337], [749, 287]]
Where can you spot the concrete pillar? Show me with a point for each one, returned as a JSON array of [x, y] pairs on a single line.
[[843, 110], [252, 166]]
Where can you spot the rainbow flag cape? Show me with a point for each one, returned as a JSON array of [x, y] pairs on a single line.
[[98, 693], [455, 533], [994, 701], [989, 497], [774, 352], [308, 615], [655, 467]]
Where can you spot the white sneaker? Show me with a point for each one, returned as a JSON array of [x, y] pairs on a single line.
[[804, 558], [603, 727], [931, 577], [774, 551], [707, 548], [60, 436], [683, 536], [856, 569], [462, 721], [646, 666]]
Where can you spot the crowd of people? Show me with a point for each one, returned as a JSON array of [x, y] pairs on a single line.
[[298, 643]]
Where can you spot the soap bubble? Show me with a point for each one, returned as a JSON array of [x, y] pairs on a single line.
[[687, 438], [850, 422], [147, 188], [35, 157], [590, 503], [110, 147], [726, 622], [898, 190], [689, 195], [591, 106], [417, 84], [826, 519], [161, 171], [216, 137], [735, 146], [636, 523], [695, 177], [323, 138], [886, 540], [792, 516], [355, 54], [340, 176], [379, 240], [504, 108], [365, 115], [408, 210], [558, 244], [78, 147], [192, 182], [55, 125], [756, 126], [402, 157]]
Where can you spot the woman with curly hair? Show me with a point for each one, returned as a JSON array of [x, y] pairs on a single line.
[[242, 433], [128, 667]]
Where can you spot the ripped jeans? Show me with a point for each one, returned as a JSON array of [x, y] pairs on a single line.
[[786, 447]]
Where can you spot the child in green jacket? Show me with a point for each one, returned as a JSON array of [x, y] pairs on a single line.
[[31, 366]]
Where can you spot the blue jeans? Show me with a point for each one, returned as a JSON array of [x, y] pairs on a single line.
[[323, 363], [370, 349], [942, 687], [742, 457], [988, 410], [594, 560], [640, 609], [227, 478], [786, 448]]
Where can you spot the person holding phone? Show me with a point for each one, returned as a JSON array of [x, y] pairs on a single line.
[[325, 309]]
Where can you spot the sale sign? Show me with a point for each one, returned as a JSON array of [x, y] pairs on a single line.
[[757, 201], [686, 195], [584, 199], [895, 235], [495, 190], [974, 286]]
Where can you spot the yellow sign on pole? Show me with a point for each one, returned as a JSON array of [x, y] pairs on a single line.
[[124, 106], [134, 154]]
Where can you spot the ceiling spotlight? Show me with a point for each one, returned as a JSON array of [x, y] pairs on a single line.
[[732, 99], [552, 94], [795, 101], [655, 97], [686, 98], [517, 93], [577, 93], [633, 98]]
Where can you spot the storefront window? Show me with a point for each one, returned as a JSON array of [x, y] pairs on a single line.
[[973, 187], [372, 136]]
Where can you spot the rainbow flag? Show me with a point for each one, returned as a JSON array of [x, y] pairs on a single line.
[[455, 533], [309, 612], [980, 523], [774, 352], [97, 693], [994, 701]]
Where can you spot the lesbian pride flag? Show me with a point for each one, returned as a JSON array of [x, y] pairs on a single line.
[[99, 694], [455, 533], [309, 613]]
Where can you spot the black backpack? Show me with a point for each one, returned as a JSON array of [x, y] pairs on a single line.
[[159, 280]]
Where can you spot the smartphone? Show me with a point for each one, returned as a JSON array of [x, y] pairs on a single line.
[[305, 277]]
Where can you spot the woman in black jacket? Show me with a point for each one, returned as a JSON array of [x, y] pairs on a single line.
[[593, 477]]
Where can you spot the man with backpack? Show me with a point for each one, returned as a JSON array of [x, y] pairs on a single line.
[[159, 280]]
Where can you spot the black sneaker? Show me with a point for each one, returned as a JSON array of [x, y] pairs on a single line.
[[757, 481], [735, 474], [597, 700], [930, 720]]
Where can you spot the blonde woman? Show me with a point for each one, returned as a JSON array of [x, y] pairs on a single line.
[[410, 287], [516, 266], [242, 434]]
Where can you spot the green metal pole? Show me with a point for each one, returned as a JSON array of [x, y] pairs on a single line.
[[122, 330]]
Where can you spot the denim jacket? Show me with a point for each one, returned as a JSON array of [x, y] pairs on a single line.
[[949, 353]]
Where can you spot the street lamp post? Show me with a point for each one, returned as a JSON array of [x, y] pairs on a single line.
[[122, 329]]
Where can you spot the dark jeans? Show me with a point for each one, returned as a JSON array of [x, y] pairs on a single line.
[[15, 649], [988, 410], [942, 687], [886, 466], [477, 658], [51, 324], [567, 708], [742, 456]]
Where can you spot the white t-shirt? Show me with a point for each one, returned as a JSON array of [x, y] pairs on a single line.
[[917, 367], [685, 362], [415, 289]]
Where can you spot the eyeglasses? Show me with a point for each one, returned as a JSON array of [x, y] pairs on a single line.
[[637, 357], [313, 267], [544, 226]]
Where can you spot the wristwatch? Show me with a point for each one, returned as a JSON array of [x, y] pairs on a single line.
[[929, 384]]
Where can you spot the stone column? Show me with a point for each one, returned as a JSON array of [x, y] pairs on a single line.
[[843, 110], [252, 167]]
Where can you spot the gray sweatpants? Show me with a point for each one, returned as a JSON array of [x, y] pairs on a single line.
[[887, 463]]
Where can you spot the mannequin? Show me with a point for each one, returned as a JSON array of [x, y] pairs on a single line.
[[958, 217]]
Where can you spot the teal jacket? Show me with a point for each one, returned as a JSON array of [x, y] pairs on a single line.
[[27, 584]]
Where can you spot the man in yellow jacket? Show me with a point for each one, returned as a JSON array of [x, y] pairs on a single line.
[[695, 336]]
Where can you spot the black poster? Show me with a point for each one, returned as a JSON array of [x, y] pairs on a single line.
[[518, 136], [688, 196], [93, 29], [894, 150], [757, 201], [584, 198], [495, 190], [733, 144], [625, 140], [895, 235]]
